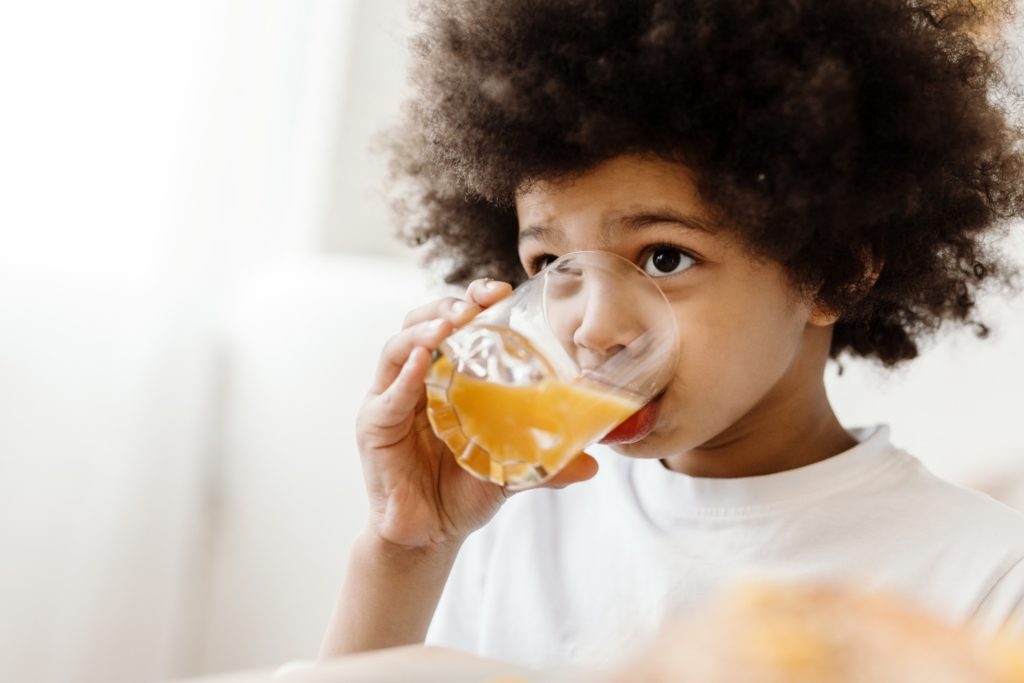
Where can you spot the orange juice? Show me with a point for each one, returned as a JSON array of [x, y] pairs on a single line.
[[519, 435]]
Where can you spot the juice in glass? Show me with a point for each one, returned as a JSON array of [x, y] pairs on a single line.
[[517, 435]]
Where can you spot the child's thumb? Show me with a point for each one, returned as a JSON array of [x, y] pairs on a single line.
[[581, 468]]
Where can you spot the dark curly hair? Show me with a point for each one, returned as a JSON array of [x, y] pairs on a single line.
[[828, 134]]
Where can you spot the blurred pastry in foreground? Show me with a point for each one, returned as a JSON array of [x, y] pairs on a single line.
[[770, 633]]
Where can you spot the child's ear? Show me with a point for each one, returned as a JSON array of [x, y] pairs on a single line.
[[822, 316]]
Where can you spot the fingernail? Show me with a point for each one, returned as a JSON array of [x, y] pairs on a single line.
[[460, 307], [492, 285], [437, 326]]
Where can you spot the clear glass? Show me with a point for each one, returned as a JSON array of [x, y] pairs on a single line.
[[533, 380]]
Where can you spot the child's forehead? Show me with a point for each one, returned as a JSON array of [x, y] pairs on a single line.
[[622, 193]]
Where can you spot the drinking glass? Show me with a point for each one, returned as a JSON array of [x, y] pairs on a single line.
[[577, 351]]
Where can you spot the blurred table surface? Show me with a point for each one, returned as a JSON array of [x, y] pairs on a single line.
[[411, 664]]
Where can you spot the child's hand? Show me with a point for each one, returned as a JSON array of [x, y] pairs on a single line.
[[419, 496]]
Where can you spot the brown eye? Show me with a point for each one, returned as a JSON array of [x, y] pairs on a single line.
[[664, 261]]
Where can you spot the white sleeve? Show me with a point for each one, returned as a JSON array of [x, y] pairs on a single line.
[[457, 620], [1002, 609]]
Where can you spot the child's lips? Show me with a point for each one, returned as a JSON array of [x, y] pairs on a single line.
[[636, 426]]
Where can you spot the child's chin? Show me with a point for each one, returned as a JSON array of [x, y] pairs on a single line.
[[650, 447]]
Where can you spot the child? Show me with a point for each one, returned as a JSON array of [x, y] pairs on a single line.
[[805, 179]]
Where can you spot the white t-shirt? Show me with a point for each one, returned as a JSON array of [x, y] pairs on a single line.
[[585, 574]]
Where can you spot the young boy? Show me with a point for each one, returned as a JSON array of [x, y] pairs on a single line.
[[804, 179]]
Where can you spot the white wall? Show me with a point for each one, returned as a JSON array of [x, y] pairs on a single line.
[[153, 153], [359, 221]]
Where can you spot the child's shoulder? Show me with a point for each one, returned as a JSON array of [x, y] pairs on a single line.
[[947, 508]]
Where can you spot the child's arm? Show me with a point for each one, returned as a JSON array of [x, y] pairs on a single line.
[[388, 597], [423, 505]]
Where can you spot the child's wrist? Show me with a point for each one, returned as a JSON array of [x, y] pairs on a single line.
[[371, 545]]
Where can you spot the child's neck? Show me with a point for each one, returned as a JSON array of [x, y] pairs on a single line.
[[758, 453], [791, 427]]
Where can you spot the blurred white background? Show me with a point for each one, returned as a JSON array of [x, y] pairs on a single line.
[[196, 275]]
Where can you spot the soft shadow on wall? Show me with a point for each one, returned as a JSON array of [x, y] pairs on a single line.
[[158, 159]]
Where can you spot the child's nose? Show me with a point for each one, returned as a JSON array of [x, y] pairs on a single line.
[[606, 324]]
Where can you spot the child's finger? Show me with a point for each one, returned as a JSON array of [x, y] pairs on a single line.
[[487, 292], [397, 349], [453, 309], [581, 468], [399, 400]]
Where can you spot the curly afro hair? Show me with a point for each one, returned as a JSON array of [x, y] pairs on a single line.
[[829, 135]]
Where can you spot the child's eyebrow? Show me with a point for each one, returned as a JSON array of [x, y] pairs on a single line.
[[542, 233], [629, 222], [643, 219]]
